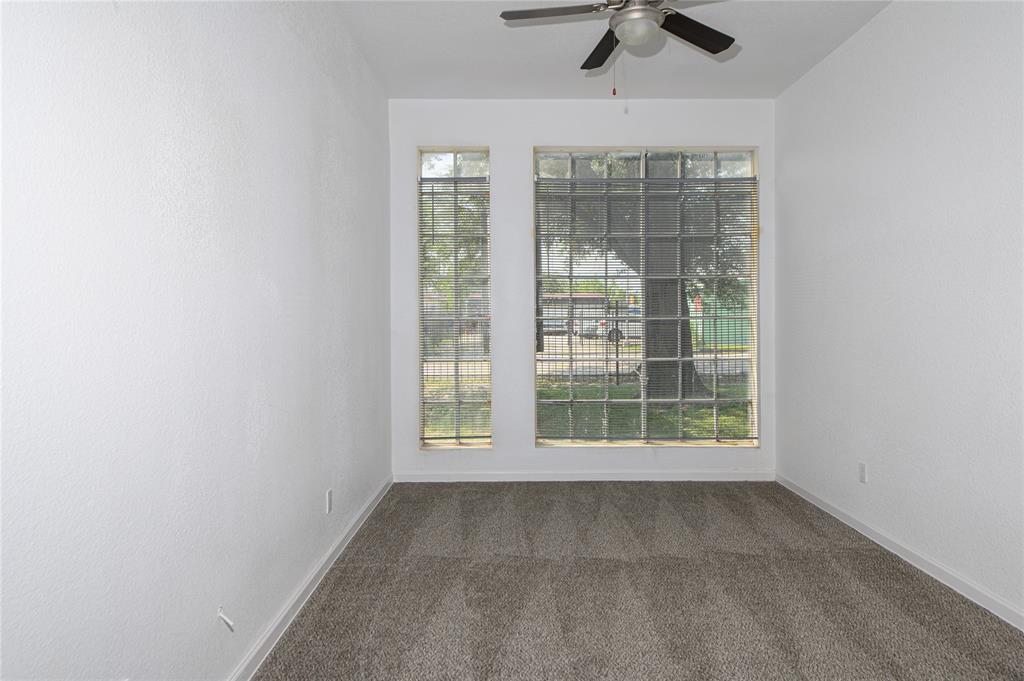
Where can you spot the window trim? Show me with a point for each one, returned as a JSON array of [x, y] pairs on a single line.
[[749, 443]]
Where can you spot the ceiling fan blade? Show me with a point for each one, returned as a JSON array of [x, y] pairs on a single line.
[[516, 14], [696, 33], [601, 53]]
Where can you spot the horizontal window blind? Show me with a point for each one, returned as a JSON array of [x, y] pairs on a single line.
[[454, 305], [646, 297]]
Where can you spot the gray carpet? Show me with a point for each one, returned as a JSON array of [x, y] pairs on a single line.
[[622, 580]]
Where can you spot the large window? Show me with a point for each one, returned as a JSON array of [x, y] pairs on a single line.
[[455, 307], [646, 296]]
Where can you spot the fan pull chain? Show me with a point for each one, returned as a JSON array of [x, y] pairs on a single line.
[[615, 68]]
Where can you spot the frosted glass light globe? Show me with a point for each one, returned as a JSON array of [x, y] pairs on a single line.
[[636, 31]]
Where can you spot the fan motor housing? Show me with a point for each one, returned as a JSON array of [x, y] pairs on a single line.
[[638, 11]]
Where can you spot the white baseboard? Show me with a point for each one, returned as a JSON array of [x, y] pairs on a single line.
[[582, 475], [991, 602], [269, 638]]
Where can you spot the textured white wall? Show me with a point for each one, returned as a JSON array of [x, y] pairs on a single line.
[[195, 300], [511, 128], [899, 321]]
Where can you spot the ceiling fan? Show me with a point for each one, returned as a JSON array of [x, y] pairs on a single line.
[[634, 22]]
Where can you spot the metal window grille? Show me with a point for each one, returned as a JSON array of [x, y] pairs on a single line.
[[454, 292], [646, 297]]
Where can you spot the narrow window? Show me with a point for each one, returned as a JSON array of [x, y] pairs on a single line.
[[646, 297], [454, 292]]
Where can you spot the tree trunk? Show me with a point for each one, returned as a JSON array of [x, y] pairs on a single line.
[[664, 339]]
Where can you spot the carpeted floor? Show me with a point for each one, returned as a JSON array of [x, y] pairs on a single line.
[[623, 580]]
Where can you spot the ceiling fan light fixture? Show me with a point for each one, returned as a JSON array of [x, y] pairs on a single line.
[[636, 31], [637, 24]]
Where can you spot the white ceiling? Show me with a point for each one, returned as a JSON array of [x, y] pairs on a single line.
[[444, 49]]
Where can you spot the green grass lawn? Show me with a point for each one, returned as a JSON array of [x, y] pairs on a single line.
[[474, 420], [663, 420]]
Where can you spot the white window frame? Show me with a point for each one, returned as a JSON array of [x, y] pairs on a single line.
[[753, 442], [456, 442]]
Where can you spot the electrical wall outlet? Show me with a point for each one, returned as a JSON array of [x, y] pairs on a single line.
[[862, 471], [330, 500]]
